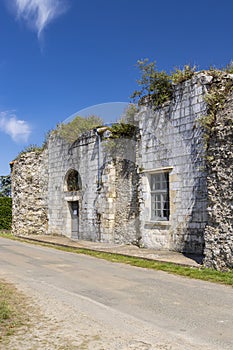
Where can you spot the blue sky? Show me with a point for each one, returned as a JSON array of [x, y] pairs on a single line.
[[58, 57]]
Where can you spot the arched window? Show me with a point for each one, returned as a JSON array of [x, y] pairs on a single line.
[[73, 181]]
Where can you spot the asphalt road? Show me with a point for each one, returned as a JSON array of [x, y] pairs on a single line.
[[127, 307]]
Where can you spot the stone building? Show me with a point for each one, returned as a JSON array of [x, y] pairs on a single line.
[[164, 186]]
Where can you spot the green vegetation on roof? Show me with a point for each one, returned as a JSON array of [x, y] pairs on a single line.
[[79, 125]]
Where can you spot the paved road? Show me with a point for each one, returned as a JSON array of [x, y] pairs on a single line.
[[123, 307]]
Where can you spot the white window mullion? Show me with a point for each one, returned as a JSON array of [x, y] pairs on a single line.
[[159, 196]]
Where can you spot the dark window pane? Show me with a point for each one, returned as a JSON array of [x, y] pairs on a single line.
[[73, 181]]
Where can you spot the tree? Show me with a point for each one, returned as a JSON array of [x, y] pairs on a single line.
[[5, 186], [5, 213], [155, 86]]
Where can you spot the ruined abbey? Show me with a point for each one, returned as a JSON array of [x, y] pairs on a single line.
[[165, 185]]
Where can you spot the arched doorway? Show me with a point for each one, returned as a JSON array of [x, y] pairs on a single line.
[[73, 186]]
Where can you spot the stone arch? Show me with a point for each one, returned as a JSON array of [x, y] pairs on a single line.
[[73, 181]]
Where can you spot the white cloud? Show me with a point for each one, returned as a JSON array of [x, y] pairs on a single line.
[[18, 130], [39, 13]]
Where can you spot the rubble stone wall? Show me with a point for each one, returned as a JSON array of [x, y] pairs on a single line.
[[30, 193], [219, 231], [117, 203]]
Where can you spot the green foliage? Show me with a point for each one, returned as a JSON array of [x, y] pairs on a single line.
[[34, 147], [30, 148], [215, 72], [215, 99], [71, 131], [46, 139], [5, 186], [229, 67], [155, 86], [116, 143], [129, 115], [13, 311], [5, 213], [122, 130], [5, 311], [180, 75]]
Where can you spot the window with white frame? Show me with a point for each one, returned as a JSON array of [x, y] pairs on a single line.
[[159, 187]]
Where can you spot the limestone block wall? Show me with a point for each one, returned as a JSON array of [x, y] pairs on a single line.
[[82, 156], [172, 141], [107, 210], [30, 194], [219, 231]]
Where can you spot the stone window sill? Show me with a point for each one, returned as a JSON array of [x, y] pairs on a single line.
[[158, 224]]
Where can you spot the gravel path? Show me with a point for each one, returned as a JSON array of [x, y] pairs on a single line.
[[56, 324]]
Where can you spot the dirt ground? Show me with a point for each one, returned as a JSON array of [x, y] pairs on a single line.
[[52, 324], [57, 329]]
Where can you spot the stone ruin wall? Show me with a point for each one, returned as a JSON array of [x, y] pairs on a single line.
[[41, 202], [30, 193], [30, 174], [116, 203], [171, 139], [105, 214], [219, 231], [82, 157]]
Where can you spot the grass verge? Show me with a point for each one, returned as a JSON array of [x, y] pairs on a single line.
[[12, 310], [201, 273], [191, 272]]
